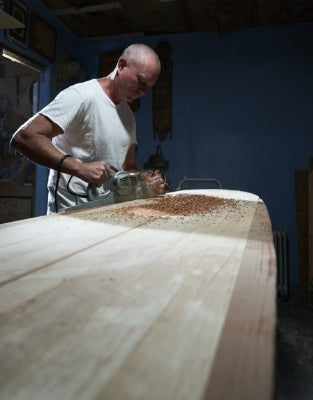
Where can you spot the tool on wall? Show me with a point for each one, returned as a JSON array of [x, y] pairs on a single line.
[[162, 94], [70, 71], [157, 161]]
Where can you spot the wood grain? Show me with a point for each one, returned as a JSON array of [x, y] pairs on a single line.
[[98, 306]]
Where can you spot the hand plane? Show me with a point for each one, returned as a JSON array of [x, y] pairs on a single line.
[[121, 186]]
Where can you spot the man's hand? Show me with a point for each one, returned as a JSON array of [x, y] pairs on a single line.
[[96, 172], [157, 183]]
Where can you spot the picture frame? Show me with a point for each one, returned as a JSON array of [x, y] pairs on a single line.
[[18, 10], [108, 61], [43, 37]]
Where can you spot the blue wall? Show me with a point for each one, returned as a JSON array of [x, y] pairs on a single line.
[[242, 110], [242, 113]]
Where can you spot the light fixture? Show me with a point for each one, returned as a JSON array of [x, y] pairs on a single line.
[[20, 60]]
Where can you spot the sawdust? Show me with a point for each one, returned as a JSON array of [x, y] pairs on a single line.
[[178, 205], [185, 207]]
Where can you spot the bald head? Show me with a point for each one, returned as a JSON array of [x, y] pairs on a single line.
[[142, 54], [137, 69]]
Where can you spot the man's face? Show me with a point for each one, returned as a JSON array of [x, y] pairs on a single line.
[[136, 78]]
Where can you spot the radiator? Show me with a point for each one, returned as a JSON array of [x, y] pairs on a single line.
[[280, 244]]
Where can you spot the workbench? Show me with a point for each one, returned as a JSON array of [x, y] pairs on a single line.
[[123, 303]]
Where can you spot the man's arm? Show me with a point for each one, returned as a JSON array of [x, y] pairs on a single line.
[[34, 141], [130, 163]]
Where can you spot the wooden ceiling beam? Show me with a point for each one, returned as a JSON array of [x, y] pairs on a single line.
[[87, 9]]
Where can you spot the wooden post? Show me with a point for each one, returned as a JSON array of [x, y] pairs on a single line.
[[310, 226], [301, 194]]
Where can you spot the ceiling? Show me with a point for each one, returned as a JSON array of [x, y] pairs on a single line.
[[94, 19]]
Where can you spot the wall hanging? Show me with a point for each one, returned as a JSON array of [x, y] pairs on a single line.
[[18, 10], [43, 37], [157, 161], [162, 94]]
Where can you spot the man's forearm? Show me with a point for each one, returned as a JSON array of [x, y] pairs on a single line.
[[37, 148]]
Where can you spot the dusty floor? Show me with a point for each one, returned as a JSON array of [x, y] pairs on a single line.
[[294, 373]]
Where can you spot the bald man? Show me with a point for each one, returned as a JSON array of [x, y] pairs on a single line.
[[89, 127]]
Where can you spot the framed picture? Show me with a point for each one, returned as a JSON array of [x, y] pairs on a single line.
[[43, 37], [108, 61], [19, 11]]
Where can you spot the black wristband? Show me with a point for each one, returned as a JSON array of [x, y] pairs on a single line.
[[61, 162]]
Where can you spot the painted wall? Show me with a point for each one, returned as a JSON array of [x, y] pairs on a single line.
[[242, 110], [242, 113]]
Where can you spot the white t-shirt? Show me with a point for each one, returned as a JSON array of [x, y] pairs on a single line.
[[95, 129]]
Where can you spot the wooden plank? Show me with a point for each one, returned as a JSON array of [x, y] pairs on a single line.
[[23, 250], [9, 22], [244, 332], [143, 313], [15, 189]]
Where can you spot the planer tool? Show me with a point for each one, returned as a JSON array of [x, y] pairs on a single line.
[[121, 186]]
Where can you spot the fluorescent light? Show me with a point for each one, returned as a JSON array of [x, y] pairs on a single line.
[[20, 60]]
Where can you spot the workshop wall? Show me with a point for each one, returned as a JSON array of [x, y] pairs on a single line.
[[242, 113]]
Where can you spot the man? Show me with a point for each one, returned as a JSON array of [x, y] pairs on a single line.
[[90, 127]]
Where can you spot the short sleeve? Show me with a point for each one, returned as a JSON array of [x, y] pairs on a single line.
[[65, 108]]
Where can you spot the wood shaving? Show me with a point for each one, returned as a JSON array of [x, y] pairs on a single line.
[[178, 205]]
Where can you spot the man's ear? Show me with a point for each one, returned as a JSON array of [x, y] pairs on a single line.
[[122, 63]]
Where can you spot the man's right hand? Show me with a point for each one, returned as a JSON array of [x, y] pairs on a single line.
[[96, 172]]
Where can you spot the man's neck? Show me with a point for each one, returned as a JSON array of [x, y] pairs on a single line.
[[107, 86]]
